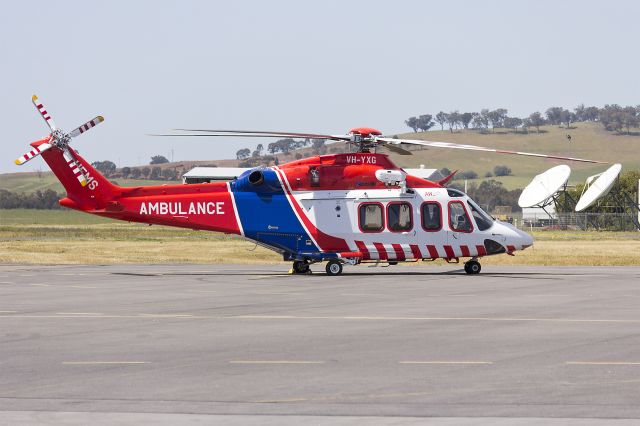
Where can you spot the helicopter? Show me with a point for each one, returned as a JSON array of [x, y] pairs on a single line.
[[342, 209]]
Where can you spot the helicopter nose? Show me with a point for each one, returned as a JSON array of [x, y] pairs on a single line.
[[517, 238], [526, 240]]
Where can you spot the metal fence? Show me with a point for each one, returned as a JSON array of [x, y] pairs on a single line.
[[583, 221]]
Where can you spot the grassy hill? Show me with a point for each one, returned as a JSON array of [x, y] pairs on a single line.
[[589, 140], [28, 182]]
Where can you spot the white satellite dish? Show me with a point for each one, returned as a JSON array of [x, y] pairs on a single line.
[[540, 192], [599, 188]]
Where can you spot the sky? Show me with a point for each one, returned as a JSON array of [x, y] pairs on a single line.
[[311, 66]]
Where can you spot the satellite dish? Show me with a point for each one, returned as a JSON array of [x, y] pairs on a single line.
[[599, 188], [544, 186]]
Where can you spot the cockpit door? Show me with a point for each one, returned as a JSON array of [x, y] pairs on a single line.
[[459, 229]]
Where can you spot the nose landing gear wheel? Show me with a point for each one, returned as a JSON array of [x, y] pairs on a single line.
[[333, 268], [472, 267], [300, 267]]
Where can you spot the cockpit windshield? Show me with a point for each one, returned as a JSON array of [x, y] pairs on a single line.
[[483, 220]]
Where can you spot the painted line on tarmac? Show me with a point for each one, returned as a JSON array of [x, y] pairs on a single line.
[[79, 313], [602, 363], [104, 362], [274, 362], [446, 362]]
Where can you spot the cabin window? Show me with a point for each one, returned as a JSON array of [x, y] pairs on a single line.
[[458, 218], [431, 216], [399, 218], [370, 217], [483, 220]]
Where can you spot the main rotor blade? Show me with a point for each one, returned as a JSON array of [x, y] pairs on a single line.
[[33, 153], [266, 133], [452, 145], [43, 112], [396, 149], [86, 126]]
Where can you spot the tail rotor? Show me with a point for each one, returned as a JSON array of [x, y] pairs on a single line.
[[60, 140]]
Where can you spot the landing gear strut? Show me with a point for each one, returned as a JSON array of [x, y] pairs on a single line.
[[300, 267], [472, 267], [333, 268]]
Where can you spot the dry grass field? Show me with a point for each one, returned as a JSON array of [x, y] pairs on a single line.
[[67, 237]]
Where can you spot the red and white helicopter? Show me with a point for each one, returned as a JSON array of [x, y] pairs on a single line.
[[344, 209]]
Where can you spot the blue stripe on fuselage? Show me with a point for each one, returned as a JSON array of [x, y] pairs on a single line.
[[267, 217]]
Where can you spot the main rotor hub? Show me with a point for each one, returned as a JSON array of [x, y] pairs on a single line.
[[364, 137], [60, 139]]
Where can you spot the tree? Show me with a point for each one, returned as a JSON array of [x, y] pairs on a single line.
[[425, 122], [146, 171], [501, 171], [512, 123], [273, 147], [580, 111], [536, 120], [466, 117], [126, 171], [496, 117], [169, 174], [412, 122], [491, 193], [158, 159], [629, 118], [567, 117], [611, 117], [441, 118], [591, 113], [135, 173], [453, 118], [258, 151], [554, 115], [105, 167], [481, 120], [243, 153], [318, 146], [155, 172]]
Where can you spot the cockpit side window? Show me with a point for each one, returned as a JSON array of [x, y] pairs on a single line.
[[483, 220], [458, 218]]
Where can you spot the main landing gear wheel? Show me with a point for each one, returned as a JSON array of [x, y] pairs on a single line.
[[333, 268], [300, 267], [472, 267]]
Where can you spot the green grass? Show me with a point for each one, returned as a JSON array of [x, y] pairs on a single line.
[[50, 217]]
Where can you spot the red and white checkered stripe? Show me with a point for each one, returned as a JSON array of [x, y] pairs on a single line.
[[43, 112], [75, 168], [380, 251], [86, 126], [34, 152]]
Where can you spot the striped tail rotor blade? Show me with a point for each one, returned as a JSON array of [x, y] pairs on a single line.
[[86, 126], [43, 112], [75, 167], [32, 154]]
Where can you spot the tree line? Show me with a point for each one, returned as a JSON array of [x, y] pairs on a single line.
[[41, 200], [614, 118]]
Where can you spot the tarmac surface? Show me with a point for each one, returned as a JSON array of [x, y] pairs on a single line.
[[233, 344]]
